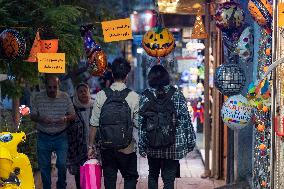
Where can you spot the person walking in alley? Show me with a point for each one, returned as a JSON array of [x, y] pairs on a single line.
[[114, 114], [165, 130], [52, 110], [78, 131]]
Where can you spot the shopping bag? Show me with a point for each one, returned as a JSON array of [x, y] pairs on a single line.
[[90, 175]]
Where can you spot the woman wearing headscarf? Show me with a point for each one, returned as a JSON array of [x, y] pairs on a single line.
[[78, 131]]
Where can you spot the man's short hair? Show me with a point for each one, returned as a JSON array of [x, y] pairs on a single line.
[[50, 76], [120, 68]]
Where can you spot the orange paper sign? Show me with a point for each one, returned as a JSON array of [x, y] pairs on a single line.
[[117, 30], [281, 15], [51, 62]]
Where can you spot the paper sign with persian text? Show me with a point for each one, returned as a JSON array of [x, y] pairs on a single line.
[[117, 30], [281, 15], [51, 62]]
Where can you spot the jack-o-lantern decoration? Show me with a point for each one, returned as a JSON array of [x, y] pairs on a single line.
[[158, 42], [261, 11], [229, 16], [97, 63], [12, 44], [49, 46]]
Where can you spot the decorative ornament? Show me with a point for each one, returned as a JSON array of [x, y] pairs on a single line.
[[229, 16], [260, 128], [24, 110], [245, 44], [96, 56], [236, 112], [229, 79], [261, 11], [100, 65], [262, 147], [36, 48], [265, 109], [158, 42], [49, 45], [268, 52], [198, 31], [12, 44]]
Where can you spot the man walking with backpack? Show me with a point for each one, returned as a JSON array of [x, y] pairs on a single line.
[[115, 112], [165, 130]]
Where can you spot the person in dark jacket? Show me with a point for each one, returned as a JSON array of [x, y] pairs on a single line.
[[165, 159]]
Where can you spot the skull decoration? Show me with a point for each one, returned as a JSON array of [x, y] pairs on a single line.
[[158, 42]]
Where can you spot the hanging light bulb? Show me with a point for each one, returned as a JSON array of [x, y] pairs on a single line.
[[198, 31]]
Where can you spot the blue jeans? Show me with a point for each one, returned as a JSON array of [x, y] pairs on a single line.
[[46, 144]]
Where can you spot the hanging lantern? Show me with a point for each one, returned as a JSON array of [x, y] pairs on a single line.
[[158, 42], [97, 63], [229, 16], [198, 31], [229, 79], [12, 44], [236, 112], [261, 11], [49, 46], [35, 49]]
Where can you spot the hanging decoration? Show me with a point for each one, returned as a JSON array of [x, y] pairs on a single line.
[[158, 42], [260, 96], [49, 46], [36, 48], [229, 16], [261, 11], [244, 46], [97, 60], [236, 112], [198, 31], [12, 44], [229, 79]]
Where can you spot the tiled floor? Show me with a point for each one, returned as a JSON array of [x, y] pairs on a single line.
[[191, 169]]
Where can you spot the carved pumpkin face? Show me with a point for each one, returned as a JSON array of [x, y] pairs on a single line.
[[261, 11], [49, 46], [158, 42]]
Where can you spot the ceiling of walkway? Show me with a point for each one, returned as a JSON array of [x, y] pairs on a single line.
[[180, 6]]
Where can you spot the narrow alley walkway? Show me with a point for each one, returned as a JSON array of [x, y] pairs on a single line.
[[191, 169]]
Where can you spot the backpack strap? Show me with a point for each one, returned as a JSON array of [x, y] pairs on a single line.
[[124, 93], [171, 92], [108, 92], [149, 95]]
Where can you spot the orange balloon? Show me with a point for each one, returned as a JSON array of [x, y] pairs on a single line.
[[98, 63]]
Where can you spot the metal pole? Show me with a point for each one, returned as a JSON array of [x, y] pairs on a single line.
[[207, 129]]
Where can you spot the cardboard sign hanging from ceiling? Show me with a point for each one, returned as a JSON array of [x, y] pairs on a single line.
[[51, 62], [117, 30]]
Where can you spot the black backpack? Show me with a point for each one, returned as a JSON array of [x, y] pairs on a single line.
[[159, 120], [115, 120]]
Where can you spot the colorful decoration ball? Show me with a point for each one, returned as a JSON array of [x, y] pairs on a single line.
[[229, 16], [245, 45], [236, 112], [261, 11], [12, 44], [24, 110], [229, 79], [158, 42], [260, 128], [265, 109], [268, 51]]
